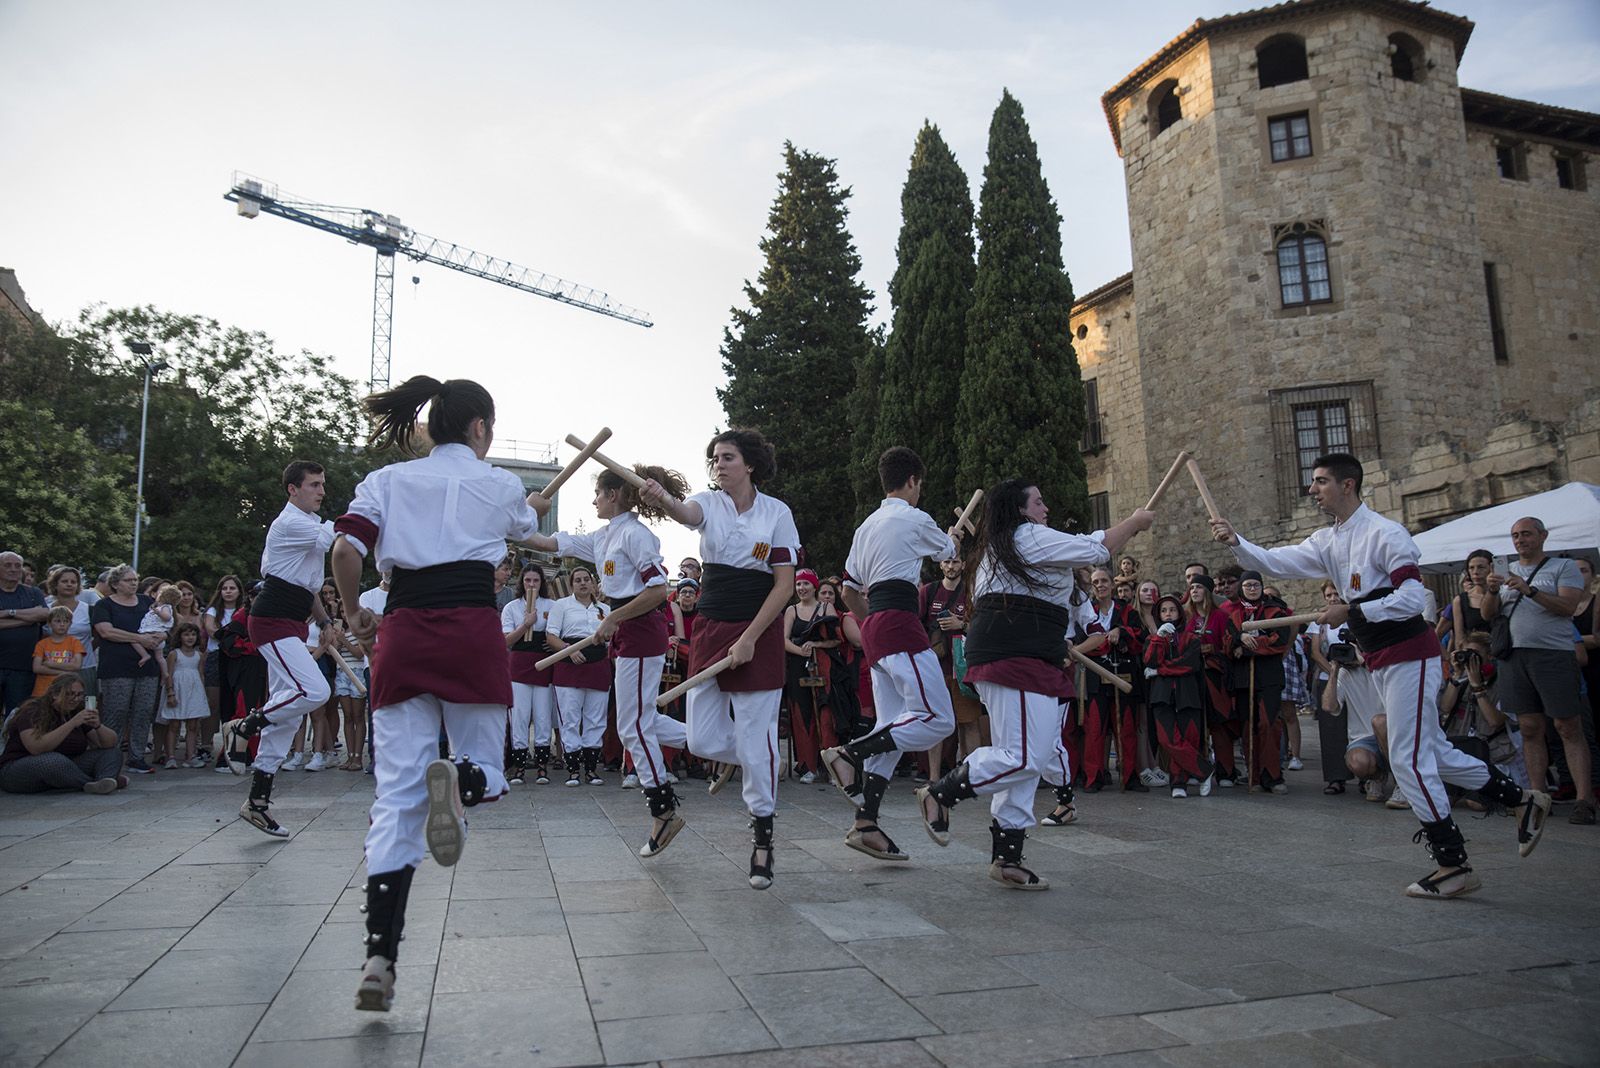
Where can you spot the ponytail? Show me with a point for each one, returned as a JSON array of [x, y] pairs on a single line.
[[452, 406]]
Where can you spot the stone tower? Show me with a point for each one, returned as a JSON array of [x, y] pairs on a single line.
[[1308, 271]]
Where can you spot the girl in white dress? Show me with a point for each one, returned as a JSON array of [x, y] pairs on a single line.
[[186, 699]]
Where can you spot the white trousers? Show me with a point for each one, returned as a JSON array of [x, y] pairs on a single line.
[[1358, 688], [738, 728], [405, 740], [1025, 729], [637, 681], [583, 717], [1419, 754], [295, 688], [535, 705], [910, 698]]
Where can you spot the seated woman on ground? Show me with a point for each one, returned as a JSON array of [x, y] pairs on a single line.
[[54, 742]]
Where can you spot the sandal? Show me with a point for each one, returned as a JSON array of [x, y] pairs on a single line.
[[1530, 825], [663, 829], [1060, 816], [1333, 788], [857, 840]]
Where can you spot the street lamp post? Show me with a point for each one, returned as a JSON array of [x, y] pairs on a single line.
[[142, 350]]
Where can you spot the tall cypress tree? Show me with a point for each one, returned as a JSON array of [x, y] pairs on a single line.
[[792, 358], [931, 291], [1021, 409]]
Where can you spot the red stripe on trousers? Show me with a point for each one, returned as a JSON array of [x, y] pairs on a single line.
[[1022, 703], [1416, 743], [300, 691], [638, 722]]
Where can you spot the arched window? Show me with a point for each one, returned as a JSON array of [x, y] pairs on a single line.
[[1281, 60], [1165, 108], [1407, 61], [1303, 266]]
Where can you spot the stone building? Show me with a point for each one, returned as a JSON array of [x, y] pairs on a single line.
[[1335, 246]]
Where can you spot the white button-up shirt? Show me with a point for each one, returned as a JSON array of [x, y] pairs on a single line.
[[297, 548], [892, 543]]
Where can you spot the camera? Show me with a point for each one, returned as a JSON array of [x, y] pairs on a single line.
[[1343, 653]]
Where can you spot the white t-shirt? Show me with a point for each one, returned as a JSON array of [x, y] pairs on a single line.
[[222, 621]]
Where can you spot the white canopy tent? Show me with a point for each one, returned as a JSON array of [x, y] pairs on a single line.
[[1571, 514]]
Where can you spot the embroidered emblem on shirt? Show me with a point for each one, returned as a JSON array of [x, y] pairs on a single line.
[[610, 569], [761, 550], [1355, 581]]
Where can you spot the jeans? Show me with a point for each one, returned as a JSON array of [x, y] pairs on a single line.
[[53, 771], [15, 686], [128, 706]]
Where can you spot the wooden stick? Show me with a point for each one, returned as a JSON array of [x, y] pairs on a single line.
[[1115, 680], [1285, 621], [1205, 492], [584, 452], [964, 516], [1166, 483], [565, 653], [1250, 735], [694, 680], [627, 474], [355, 680]]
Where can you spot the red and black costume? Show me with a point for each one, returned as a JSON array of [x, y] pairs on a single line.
[[1259, 670], [1177, 699], [1107, 711]]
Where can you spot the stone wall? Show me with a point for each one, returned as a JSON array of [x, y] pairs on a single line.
[[1105, 336], [1545, 244]]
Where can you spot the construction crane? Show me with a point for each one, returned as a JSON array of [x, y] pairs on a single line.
[[387, 236]]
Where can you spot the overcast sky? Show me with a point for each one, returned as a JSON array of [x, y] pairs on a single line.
[[632, 147]]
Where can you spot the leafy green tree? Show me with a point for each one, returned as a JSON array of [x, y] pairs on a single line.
[[226, 416], [1021, 408], [62, 500], [931, 292], [865, 441], [792, 357]]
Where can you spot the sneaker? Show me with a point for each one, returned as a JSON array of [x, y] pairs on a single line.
[[262, 820], [100, 786], [1396, 801], [630, 782], [137, 767], [1205, 787], [318, 762], [1226, 784], [808, 778], [376, 992], [1280, 787], [1582, 813], [225, 768], [295, 762], [447, 820], [1295, 765], [1178, 791], [171, 764], [1148, 776], [197, 761], [1159, 778], [671, 779]]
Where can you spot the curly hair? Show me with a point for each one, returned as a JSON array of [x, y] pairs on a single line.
[[756, 450], [675, 484]]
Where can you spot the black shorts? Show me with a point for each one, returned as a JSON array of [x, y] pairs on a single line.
[[1540, 681]]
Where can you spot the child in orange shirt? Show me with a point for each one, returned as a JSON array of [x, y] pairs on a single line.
[[58, 654]]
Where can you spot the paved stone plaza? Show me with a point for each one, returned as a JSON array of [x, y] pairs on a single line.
[[152, 927]]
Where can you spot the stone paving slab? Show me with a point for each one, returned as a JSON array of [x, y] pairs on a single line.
[[152, 926]]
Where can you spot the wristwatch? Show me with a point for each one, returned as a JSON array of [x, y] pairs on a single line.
[[11, 613]]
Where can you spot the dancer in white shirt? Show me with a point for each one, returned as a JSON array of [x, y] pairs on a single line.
[[909, 698], [633, 580], [1374, 562], [583, 680], [292, 565], [750, 545], [523, 622], [438, 525]]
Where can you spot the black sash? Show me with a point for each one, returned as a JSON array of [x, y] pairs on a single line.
[[459, 584], [891, 595], [1011, 625], [533, 643], [732, 594], [1370, 637], [282, 600]]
